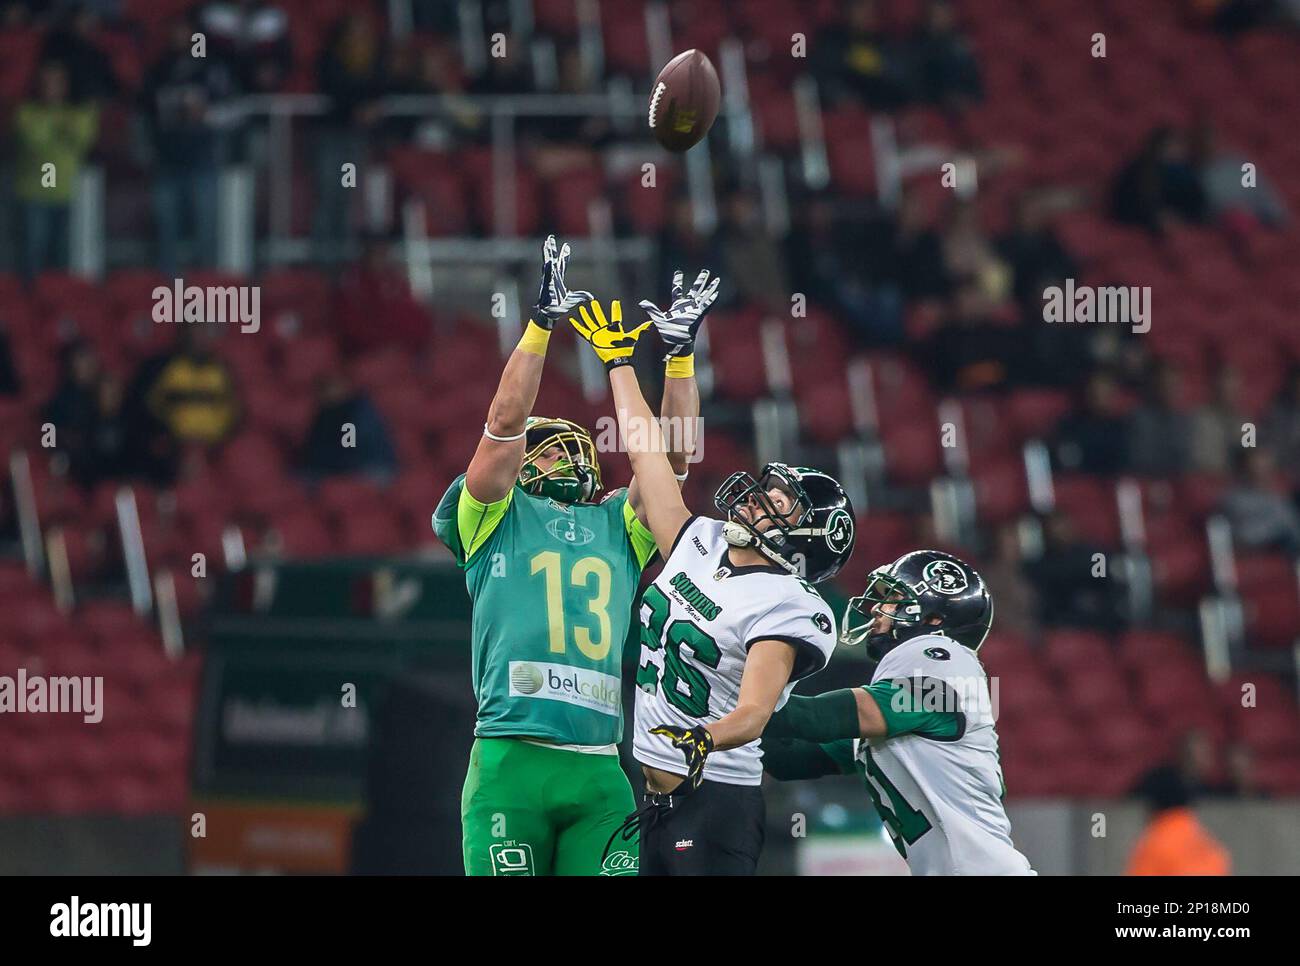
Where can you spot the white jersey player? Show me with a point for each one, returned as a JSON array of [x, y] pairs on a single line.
[[921, 734], [698, 620], [727, 628]]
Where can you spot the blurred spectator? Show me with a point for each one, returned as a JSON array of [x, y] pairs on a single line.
[[947, 73], [567, 141], [913, 251], [969, 352], [85, 412], [254, 37], [751, 258], [178, 93], [194, 395], [1216, 426], [1090, 439], [52, 137], [854, 59], [73, 407], [352, 72], [109, 434], [1035, 253], [1005, 577], [1220, 173], [417, 67], [324, 454], [1174, 842], [184, 396], [1070, 592], [1159, 430], [1282, 426], [1160, 184], [1257, 504], [375, 307], [829, 260], [71, 42], [1242, 776], [969, 254], [1196, 763]]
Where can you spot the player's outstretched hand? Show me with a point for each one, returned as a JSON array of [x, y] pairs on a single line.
[[554, 300], [613, 343], [679, 326], [695, 744]]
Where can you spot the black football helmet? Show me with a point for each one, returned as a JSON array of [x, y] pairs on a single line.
[[820, 540], [923, 585]]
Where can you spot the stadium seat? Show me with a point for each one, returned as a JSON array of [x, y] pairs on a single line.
[[1068, 650]]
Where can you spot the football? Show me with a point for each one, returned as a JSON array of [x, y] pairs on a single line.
[[684, 101]]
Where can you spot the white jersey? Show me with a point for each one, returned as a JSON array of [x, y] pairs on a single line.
[[698, 620], [941, 797]]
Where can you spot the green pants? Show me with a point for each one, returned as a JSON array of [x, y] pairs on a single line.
[[531, 810]]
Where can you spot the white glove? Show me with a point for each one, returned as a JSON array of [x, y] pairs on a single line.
[[681, 323], [554, 300]]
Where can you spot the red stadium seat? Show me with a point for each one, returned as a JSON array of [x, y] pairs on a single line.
[[371, 531], [1067, 650], [301, 533], [1090, 503], [1096, 690]]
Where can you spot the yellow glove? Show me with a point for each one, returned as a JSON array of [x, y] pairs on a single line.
[[612, 342]]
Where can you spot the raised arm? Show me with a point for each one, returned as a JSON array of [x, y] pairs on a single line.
[[656, 483], [680, 407], [495, 466]]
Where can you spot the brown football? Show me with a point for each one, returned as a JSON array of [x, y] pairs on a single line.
[[684, 101]]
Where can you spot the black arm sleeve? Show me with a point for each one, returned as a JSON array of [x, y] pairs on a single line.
[[826, 717], [790, 760]]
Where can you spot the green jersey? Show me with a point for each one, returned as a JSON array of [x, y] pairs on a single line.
[[553, 586]]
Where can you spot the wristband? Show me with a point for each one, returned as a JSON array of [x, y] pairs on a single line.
[[680, 367], [681, 477], [503, 439], [534, 339]]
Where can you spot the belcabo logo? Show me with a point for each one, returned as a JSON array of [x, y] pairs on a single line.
[[74, 919], [563, 682], [34, 694]]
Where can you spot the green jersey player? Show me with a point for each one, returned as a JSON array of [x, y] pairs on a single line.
[[552, 566], [921, 735]]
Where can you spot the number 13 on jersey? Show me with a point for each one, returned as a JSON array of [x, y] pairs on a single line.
[[548, 563]]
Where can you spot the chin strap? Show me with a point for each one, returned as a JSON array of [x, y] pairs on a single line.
[[737, 535]]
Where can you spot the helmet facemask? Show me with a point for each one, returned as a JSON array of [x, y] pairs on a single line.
[[574, 476], [862, 611], [739, 488]]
